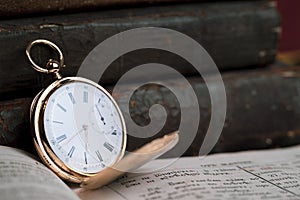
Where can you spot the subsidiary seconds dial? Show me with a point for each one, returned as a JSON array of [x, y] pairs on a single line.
[[83, 127]]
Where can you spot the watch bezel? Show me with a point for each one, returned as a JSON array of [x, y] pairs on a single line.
[[41, 142]]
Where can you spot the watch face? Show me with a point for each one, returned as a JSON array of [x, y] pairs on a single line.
[[83, 127]]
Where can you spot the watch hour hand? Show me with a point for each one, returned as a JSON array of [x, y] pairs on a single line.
[[101, 116], [86, 133]]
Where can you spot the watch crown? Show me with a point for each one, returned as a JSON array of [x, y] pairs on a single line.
[[54, 66]]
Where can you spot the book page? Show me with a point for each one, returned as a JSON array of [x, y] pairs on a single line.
[[265, 174], [22, 177]]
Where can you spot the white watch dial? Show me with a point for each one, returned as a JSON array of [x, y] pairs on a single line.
[[83, 127]]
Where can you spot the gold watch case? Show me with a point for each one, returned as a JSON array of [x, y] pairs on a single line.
[[41, 143]]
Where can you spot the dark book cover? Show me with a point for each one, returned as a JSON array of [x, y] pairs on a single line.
[[262, 111], [237, 34]]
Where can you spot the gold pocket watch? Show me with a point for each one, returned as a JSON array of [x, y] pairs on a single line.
[[77, 126], [79, 131]]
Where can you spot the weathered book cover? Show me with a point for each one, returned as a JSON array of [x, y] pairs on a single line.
[[17, 8], [236, 34], [262, 111]]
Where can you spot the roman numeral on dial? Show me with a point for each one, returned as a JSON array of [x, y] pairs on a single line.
[[99, 155], [72, 98], [61, 138], [61, 107], [58, 122], [85, 97], [108, 146], [71, 151]]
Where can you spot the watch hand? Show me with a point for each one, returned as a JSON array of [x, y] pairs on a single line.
[[101, 117], [86, 144], [73, 136], [86, 139]]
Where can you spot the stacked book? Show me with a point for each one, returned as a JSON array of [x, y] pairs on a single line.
[[240, 36]]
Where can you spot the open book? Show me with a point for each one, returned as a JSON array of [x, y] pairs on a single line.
[[265, 174]]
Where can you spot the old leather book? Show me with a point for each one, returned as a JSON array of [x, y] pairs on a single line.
[[237, 34], [262, 111]]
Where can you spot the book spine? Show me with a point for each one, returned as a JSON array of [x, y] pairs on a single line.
[[257, 116], [13, 8], [235, 34]]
